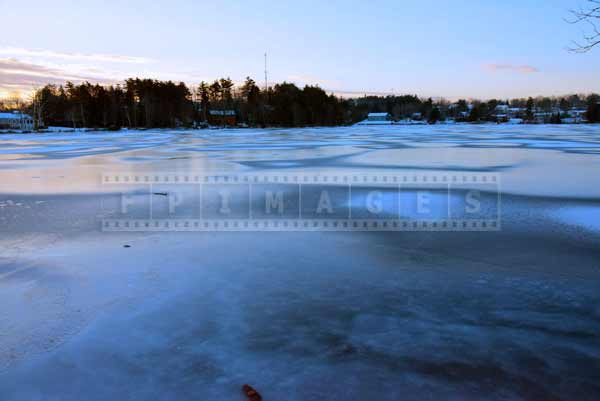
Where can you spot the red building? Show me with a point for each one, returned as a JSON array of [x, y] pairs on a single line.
[[222, 117]]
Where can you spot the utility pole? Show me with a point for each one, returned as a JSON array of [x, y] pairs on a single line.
[[266, 97], [266, 82]]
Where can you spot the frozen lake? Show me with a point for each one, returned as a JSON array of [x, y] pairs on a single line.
[[509, 314]]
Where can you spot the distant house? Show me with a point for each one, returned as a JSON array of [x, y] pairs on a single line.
[[577, 115], [16, 120], [222, 117], [501, 118], [502, 109], [378, 117], [542, 117], [501, 113], [514, 112]]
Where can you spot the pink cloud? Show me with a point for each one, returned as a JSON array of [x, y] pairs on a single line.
[[22, 77], [115, 58], [522, 69]]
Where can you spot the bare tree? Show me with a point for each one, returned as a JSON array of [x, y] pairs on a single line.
[[14, 101], [38, 102], [588, 15]]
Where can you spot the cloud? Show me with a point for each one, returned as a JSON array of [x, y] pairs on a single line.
[[21, 77], [17, 51], [522, 69]]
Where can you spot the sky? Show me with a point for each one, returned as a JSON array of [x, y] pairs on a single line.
[[453, 49]]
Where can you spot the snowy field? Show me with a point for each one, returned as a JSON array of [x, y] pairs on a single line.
[[511, 314]]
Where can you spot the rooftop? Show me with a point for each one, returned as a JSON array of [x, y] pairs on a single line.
[[221, 112], [13, 115]]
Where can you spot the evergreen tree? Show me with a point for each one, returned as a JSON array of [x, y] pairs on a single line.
[[204, 93], [426, 108], [214, 91], [251, 95], [593, 109], [564, 104], [435, 115], [529, 109], [475, 114], [226, 91]]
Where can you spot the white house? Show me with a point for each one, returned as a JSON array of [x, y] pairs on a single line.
[[577, 115], [378, 117], [502, 109], [16, 120]]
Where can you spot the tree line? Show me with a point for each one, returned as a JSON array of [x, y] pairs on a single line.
[[148, 103], [155, 104], [473, 110]]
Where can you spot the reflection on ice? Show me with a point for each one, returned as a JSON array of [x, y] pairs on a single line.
[[584, 216], [531, 158]]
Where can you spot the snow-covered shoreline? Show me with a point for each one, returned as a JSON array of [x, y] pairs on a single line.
[[359, 124]]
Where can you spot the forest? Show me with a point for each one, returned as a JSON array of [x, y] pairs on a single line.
[[148, 103], [151, 103]]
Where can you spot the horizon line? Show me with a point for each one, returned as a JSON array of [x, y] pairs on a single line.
[[348, 94]]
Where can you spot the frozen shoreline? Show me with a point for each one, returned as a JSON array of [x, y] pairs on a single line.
[[52, 130]]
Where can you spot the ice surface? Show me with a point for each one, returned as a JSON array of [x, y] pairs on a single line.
[[506, 315]]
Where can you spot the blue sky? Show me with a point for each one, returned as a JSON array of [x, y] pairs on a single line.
[[443, 48]]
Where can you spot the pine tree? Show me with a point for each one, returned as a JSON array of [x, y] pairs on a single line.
[[593, 109], [475, 114], [251, 95], [529, 110], [435, 115], [204, 93]]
